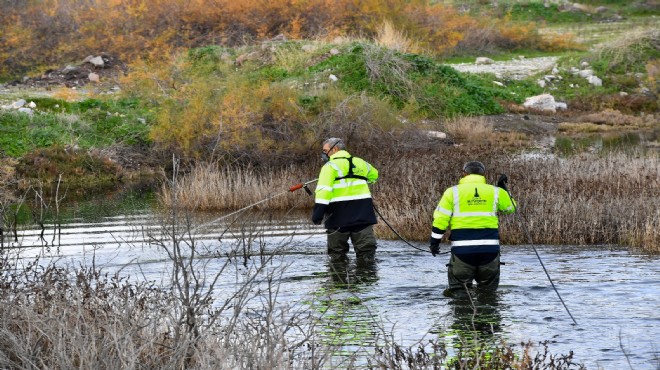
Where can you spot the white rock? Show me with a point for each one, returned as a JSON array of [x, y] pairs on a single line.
[[334, 51], [333, 78], [584, 64], [436, 134], [25, 110], [97, 61], [32, 105], [561, 105], [484, 60], [595, 81], [94, 77], [585, 73], [623, 93], [544, 102], [540, 82], [18, 104], [498, 83]]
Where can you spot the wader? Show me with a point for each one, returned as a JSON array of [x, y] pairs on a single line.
[[364, 243], [461, 274]]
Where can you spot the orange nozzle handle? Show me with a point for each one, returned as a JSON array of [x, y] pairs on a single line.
[[296, 187]]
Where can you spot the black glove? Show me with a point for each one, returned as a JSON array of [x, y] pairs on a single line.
[[502, 180], [317, 213], [435, 249]]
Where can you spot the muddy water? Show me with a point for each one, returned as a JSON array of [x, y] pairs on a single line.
[[613, 295]]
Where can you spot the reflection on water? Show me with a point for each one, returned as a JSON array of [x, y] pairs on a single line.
[[634, 142], [613, 295], [347, 323]]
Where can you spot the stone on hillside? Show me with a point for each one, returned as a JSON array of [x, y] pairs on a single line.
[[498, 83], [544, 102], [25, 110], [436, 134], [69, 69], [585, 73], [595, 81], [97, 62], [334, 51], [32, 105], [541, 82], [484, 60], [94, 77], [308, 48], [333, 78], [18, 104]]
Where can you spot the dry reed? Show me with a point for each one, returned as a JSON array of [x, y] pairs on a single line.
[[585, 199]]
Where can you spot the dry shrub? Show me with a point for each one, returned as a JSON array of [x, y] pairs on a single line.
[[51, 32], [630, 51], [559, 42], [474, 130], [611, 117], [653, 73], [211, 187], [67, 94], [391, 38], [584, 127]]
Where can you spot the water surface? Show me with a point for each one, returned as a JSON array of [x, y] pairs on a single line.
[[613, 294]]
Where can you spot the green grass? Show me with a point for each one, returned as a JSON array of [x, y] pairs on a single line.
[[439, 90], [553, 14], [91, 123]]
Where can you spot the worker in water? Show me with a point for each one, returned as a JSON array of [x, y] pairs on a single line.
[[344, 199], [470, 210]]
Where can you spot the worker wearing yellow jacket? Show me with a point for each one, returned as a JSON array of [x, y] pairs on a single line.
[[344, 199], [470, 210]]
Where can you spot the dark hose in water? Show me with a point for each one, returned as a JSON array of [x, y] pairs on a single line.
[[401, 237], [529, 239]]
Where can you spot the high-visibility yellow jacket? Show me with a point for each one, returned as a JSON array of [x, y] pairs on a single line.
[[470, 210], [342, 192]]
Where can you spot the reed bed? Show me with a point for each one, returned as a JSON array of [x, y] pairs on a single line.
[[208, 186], [586, 199]]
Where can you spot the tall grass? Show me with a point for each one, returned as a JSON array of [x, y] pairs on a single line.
[[209, 187], [577, 200]]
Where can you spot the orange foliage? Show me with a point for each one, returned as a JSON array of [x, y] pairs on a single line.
[[47, 32]]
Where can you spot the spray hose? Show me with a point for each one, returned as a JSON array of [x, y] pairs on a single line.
[[399, 235], [529, 238]]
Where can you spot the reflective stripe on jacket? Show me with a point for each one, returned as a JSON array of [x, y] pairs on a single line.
[[346, 202], [470, 210]]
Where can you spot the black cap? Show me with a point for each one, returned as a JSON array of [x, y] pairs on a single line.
[[474, 168]]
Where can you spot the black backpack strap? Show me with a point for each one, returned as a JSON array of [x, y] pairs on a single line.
[[350, 175]]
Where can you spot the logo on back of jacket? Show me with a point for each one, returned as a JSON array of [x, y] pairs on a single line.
[[476, 199]]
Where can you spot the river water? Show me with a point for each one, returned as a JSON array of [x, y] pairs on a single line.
[[614, 295]]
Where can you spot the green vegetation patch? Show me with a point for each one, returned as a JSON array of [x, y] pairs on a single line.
[[78, 170], [91, 123], [438, 90]]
